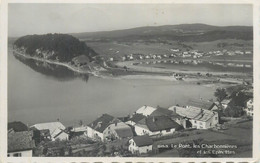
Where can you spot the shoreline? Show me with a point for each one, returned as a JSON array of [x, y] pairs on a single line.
[[133, 74]]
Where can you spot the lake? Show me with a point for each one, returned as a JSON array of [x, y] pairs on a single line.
[[40, 92]]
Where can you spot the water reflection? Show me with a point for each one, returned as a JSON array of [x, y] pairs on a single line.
[[53, 71]]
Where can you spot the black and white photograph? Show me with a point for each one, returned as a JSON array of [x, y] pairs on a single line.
[[130, 80]]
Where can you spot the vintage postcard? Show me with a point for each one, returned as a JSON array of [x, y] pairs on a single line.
[[140, 81]]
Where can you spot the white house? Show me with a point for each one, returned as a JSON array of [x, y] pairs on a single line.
[[117, 130], [95, 130], [20, 144], [140, 145], [56, 130], [198, 117], [249, 107]]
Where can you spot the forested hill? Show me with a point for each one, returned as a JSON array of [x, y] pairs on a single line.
[[183, 32], [62, 47]]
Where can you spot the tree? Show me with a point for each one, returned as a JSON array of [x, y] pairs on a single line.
[[220, 94], [233, 111]]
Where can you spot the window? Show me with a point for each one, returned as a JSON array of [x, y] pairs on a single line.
[[17, 155], [8, 155]]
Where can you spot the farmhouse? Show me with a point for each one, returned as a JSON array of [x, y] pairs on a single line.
[[118, 130], [95, 130], [56, 130], [198, 117], [140, 145], [20, 144], [156, 125]]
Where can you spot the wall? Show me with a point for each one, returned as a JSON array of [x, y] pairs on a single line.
[[91, 133], [139, 150], [27, 153]]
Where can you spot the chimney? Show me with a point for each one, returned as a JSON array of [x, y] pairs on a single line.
[[99, 124], [115, 123], [154, 119]]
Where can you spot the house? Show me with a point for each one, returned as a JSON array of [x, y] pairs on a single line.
[[156, 125], [111, 59], [95, 130], [140, 145], [78, 131], [20, 144], [225, 103], [53, 130], [17, 126], [145, 110], [249, 107], [198, 117], [249, 103], [117, 130]]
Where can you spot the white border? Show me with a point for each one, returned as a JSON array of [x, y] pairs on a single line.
[[3, 85]]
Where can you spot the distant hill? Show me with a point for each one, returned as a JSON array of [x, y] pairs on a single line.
[[61, 46], [182, 32]]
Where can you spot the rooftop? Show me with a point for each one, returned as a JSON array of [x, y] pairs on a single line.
[[193, 113], [144, 140], [201, 104], [101, 123], [17, 126], [159, 123], [54, 127], [146, 110], [20, 141], [124, 132]]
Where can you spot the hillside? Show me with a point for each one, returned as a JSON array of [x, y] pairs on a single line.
[[60, 47], [182, 32]]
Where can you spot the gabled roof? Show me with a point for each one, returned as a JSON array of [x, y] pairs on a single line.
[[194, 113], [124, 132], [54, 127], [159, 123], [145, 110], [20, 141], [102, 122], [161, 111], [201, 104], [144, 140], [17, 126], [137, 117]]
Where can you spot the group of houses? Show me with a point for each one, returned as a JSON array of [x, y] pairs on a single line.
[[138, 129]]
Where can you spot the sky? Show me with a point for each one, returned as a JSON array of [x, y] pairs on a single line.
[[24, 19]]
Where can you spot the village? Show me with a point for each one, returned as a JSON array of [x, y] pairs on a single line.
[[178, 56], [149, 131]]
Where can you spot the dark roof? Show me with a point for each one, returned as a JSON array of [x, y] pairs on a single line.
[[17, 126], [102, 122], [124, 132], [201, 104], [141, 141], [159, 123], [161, 111], [20, 141], [137, 117]]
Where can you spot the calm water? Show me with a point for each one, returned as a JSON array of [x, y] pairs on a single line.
[[40, 92]]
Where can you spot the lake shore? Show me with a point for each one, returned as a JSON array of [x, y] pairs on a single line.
[[138, 72]]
